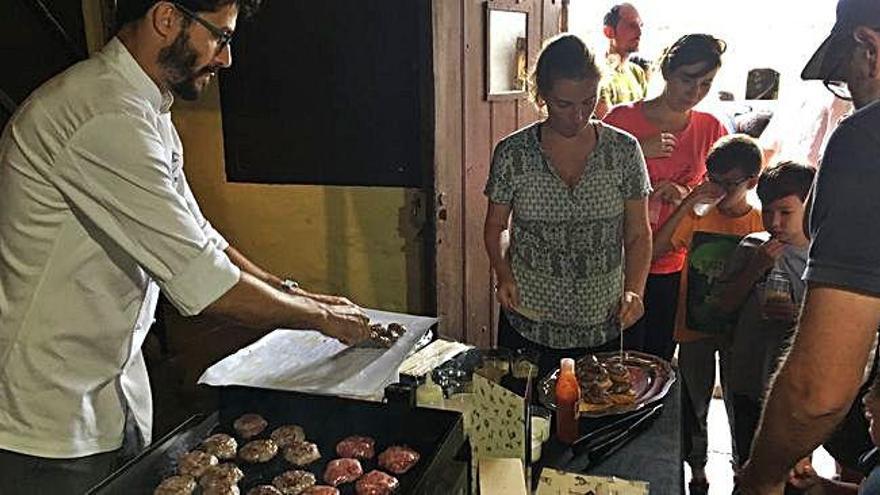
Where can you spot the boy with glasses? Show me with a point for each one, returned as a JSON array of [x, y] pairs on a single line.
[[732, 168]]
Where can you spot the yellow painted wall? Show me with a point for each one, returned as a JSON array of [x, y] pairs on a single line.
[[362, 242]]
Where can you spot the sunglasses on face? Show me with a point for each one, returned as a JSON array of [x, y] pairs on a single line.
[[224, 37]]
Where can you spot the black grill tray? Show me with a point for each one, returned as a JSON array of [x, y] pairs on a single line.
[[438, 436]]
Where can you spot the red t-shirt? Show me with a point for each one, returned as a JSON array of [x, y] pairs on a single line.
[[686, 166]]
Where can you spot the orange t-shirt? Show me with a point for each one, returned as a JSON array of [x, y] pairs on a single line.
[[686, 166], [713, 223]]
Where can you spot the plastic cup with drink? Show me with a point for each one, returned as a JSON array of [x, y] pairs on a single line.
[[776, 290]]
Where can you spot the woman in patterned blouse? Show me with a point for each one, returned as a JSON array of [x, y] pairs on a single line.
[[573, 193]]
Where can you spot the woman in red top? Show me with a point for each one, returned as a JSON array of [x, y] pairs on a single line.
[[675, 140]]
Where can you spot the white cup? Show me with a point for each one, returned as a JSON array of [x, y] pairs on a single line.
[[701, 208]]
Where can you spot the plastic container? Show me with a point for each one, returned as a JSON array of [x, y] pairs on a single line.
[[429, 394], [568, 395]]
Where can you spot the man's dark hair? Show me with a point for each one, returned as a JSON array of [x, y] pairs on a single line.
[[785, 179], [735, 152], [132, 10], [612, 17]]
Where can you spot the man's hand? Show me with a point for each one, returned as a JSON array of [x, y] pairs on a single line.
[[346, 323], [803, 476], [631, 309], [659, 146], [321, 298]]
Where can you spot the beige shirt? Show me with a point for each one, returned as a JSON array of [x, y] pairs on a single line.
[[95, 216]]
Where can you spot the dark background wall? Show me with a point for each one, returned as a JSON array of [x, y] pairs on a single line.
[[33, 49], [330, 93]]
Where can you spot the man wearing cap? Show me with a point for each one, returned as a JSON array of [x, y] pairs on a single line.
[[623, 81], [822, 373]]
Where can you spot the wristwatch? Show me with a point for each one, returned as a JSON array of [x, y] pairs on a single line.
[[289, 284]]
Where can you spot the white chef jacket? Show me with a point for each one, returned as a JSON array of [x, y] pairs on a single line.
[[95, 216]]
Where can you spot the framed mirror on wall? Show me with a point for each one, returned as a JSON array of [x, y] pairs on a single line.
[[507, 51]]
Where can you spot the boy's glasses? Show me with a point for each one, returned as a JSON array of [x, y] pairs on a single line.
[[224, 37], [728, 184]]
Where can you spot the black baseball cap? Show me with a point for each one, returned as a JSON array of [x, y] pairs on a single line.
[[830, 55]]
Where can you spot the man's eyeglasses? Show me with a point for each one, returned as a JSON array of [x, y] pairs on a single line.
[[224, 37], [728, 184], [838, 88]]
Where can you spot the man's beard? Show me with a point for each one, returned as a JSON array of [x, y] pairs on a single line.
[[179, 61]]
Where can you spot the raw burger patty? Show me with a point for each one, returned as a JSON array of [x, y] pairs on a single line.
[[249, 425], [398, 459], [321, 490], [341, 471], [221, 446], [264, 490], [302, 453], [286, 435], [258, 451], [356, 447], [195, 463], [294, 482], [221, 476], [376, 483], [176, 485]]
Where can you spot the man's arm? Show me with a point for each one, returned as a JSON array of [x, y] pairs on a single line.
[[253, 303], [816, 384], [246, 265]]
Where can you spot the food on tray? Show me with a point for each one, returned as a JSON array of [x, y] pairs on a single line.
[[356, 446], [249, 425], [195, 463], [222, 490], [591, 371], [343, 470], [176, 485], [220, 476], [221, 446], [286, 435], [386, 335], [264, 490], [321, 490], [258, 451], [376, 483], [302, 453], [398, 459], [294, 482], [604, 384], [621, 391]]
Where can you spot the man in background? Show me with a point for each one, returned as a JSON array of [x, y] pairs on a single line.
[[623, 80]]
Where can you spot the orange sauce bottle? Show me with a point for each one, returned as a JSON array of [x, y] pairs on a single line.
[[568, 395]]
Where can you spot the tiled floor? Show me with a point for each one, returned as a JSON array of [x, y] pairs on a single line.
[[719, 471]]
